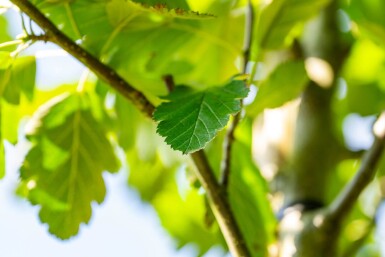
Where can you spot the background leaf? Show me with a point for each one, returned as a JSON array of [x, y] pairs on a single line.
[[248, 195], [2, 153], [280, 17], [64, 167], [24, 75], [159, 176], [285, 83], [19, 77], [191, 119], [369, 17]]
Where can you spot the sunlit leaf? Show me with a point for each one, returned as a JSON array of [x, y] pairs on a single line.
[[156, 183], [2, 159], [18, 76], [5, 63], [191, 119], [2, 153], [280, 17], [5, 60], [4, 37], [248, 197], [285, 83], [369, 17], [184, 218], [23, 75], [362, 72], [127, 119], [248, 194], [64, 167]]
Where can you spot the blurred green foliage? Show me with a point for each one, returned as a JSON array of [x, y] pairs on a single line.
[[76, 131]]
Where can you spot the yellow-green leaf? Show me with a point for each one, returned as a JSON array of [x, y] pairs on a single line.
[[70, 151]]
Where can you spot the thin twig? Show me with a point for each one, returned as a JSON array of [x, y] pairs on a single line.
[[11, 43], [228, 143], [229, 140], [344, 203], [218, 202], [249, 27]]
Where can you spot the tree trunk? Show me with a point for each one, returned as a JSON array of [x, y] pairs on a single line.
[[303, 230]]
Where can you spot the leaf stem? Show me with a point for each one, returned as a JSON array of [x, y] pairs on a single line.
[[169, 81], [343, 204], [11, 43], [218, 201]]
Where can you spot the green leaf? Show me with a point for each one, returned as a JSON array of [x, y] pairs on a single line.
[[23, 75], [64, 167], [248, 198], [363, 73], [368, 16], [19, 76], [280, 17], [127, 122], [285, 83], [184, 218], [191, 119], [248, 194], [5, 60], [155, 182], [149, 177], [157, 176], [2, 157], [11, 117], [366, 99], [5, 63]]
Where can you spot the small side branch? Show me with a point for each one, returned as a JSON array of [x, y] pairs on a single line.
[[169, 81], [344, 203], [230, 137], [228, 144]]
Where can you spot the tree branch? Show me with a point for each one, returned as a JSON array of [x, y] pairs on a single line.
[[249, 22], [218, 202], [220, 206], [343, 204]]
